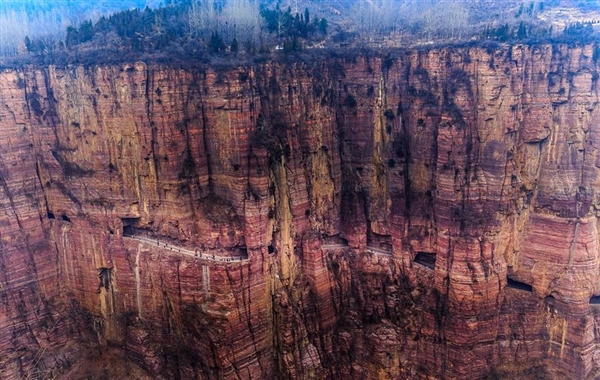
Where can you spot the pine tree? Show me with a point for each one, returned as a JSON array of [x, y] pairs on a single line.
[[323, 25], [28, 44], [522, 31], [216, 43]]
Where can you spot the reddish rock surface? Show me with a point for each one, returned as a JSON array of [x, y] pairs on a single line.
[[329, 178]]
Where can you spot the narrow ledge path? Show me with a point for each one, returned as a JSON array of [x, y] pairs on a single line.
[[228, 259], [369, 249], [378, 251], [185, 251]]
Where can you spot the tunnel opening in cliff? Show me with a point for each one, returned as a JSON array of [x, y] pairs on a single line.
[[519, 285], [595, 300], [241, 252], [334, 240], [426, 259], [379, 241], [129, 225]]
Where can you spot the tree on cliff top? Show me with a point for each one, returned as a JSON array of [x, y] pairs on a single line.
[[287, 25], [189, 28], [234, 48], [229, 19], [216, 43]]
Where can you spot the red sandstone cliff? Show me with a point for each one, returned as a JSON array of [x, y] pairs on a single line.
[[379, 206]]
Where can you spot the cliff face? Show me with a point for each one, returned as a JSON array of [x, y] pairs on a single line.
[[432, 215]]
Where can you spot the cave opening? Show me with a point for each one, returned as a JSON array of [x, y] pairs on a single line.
[[65, 218], [271, 249], [129, 225], [334, 240], [595, 300], [427, 259], [127, 230], [378, 241], [514, 284], [50, 215]]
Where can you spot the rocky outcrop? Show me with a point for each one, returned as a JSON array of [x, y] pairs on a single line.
[[430, 214]]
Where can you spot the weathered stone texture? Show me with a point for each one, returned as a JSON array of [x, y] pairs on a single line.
[[330, 176]]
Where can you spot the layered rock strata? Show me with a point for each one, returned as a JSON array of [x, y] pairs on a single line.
[[430, 214]]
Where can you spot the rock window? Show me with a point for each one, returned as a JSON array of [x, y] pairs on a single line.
[[129, 225], [427, 259], [514, 284]]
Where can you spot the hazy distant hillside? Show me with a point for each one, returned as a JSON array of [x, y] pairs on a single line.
[[98, 5], [48, 19]]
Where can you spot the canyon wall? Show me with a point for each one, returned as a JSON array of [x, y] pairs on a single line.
[[426, 214]]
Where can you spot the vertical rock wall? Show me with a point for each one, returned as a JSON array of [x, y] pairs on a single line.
[[332, 179]]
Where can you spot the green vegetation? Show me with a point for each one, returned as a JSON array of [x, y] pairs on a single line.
[[45, 21], [298, 25], [48, 31], [184, 28], [216, 44], [293, 27]]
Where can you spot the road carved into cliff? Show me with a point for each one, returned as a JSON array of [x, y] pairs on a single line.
[[196, 254], [228, 259], [334, 246], [376, 251]]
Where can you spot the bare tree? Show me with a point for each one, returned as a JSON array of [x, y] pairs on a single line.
[[15, 24], [11, 31], [432, 18], [457, 19], [376, 17], [234, 19], [45, 21], [246, 19]]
